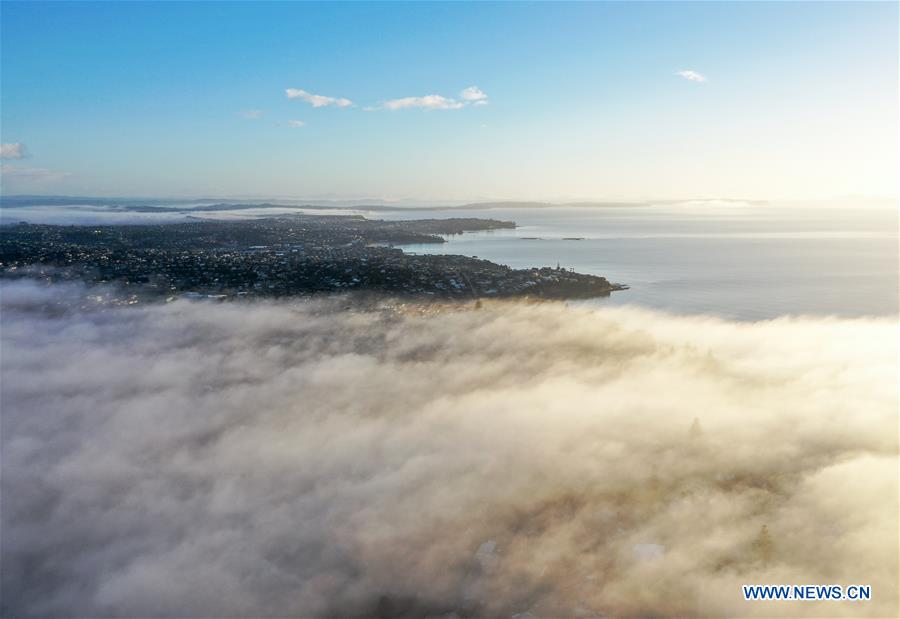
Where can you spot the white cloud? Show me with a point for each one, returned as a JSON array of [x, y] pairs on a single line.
[[468, 96], [432, 102], [690, 75], [12, 150], [251, 114], [473, 93], [317, 100], [296, 123]]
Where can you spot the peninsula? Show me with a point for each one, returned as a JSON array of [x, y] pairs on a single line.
[[278, 257]]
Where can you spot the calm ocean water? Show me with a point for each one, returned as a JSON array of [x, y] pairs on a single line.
[[748, 263]]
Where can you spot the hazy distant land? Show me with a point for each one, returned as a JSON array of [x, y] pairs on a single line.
[[201, 204]]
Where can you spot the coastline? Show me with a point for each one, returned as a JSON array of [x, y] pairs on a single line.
[[300, 255]]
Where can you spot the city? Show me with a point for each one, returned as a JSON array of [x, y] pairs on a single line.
[[278, 257]]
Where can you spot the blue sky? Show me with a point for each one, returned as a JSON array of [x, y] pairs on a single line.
[[578, 101]]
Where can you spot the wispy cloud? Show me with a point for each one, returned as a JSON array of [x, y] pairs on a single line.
[[317, 100], [295, 123], [24, 175], [251, 114], [432, 102], [473, 94], [13, 150], [690, 75], [468, 96]]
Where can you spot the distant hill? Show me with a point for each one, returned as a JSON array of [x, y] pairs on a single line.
[[147, 205]]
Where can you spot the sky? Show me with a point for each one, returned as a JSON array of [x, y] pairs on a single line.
[[456, 101]]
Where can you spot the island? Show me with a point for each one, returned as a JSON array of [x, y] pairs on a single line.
[[293, 255]]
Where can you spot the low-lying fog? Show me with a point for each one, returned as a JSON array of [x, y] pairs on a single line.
[[314, 460]]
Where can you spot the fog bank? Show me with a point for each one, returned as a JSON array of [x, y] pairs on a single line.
[[313, 460]]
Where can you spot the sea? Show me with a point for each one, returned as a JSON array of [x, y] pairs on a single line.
[[747, 262], [744, 261]]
